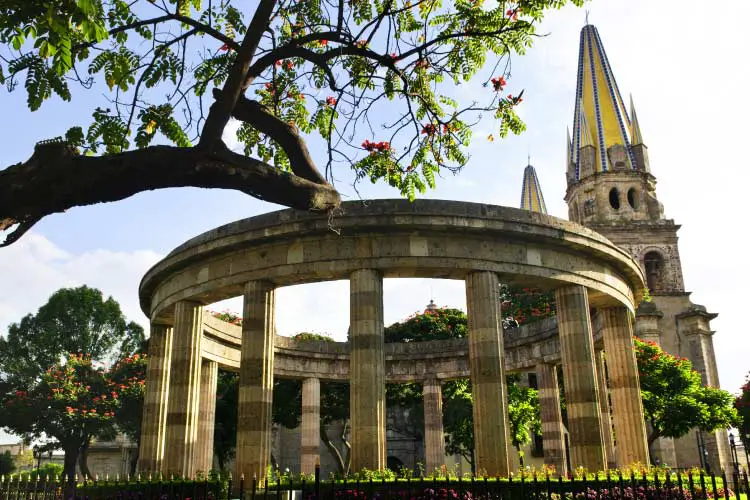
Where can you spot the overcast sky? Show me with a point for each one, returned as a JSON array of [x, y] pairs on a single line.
[[686, 66]]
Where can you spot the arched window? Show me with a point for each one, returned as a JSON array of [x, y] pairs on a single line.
[[614, 198], [633, 198], [654, 264]]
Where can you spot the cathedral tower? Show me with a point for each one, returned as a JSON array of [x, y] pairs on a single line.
[[531, 192], [610, 189]]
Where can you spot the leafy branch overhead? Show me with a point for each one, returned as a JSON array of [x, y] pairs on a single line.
[[372, 84]]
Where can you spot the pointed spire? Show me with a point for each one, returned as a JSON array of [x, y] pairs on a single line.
[[600, 118], [584, 131], [531, 192], [635, 128]]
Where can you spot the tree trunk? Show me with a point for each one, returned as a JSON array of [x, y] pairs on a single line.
[[134, 461], [83, 459], [69, 463], [55, 179], [335, 453]]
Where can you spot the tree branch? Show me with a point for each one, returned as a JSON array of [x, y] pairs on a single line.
[[204, 28], [55, 179], [221, 110], [286, 135]]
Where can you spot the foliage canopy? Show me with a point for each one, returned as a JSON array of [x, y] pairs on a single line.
[[674, 397], [372, 82]]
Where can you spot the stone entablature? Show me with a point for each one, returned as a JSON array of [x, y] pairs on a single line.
[[525, 348], [427, 238]]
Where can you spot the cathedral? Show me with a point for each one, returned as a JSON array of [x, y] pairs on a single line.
[[612, 190]]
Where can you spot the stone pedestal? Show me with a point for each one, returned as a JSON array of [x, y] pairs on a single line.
[[184, 390], [367, 370], [310, 450], [434, 439], [486, 357], [579, 373], [256, 381], [204, 459], [154, 423], [625, 389], [604, 409], [553, 433]]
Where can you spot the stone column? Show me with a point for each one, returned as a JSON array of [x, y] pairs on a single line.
[[256, 381], [184, 390], [604, 409], [487, 360], [310, 425], [434, 439], [553, 433], [625, 388], [154, 420], [579, 372], [367, 370], [204, 459]]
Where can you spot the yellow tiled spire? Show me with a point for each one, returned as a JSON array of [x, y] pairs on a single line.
[[635, 129], [584, 131], [531, 192], [600, 119]]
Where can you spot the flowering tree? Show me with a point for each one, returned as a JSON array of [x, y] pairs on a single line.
[[129, 378], [742, 404], [521, 306], [674, 398], [72, 402], [73, 320], [288, 70]]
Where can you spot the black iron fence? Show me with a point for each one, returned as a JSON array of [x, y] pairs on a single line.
[[603, 486]]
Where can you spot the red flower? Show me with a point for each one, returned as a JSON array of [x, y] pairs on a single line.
[[331, 101], [324, 42], [225, 47], [289, 65], [277, 63], [428, 129], [498, 83], [512, 13]]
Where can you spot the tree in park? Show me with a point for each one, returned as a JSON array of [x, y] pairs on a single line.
[[71, 398], [6, 463], [73, 320], [742, 404], [289, 71], [129, 377], [71, 403], [521, 306], [674, 398]]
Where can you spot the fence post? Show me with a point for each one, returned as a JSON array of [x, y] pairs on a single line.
[[317, 478]]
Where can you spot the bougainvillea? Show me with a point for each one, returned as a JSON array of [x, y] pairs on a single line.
[[674, 397]]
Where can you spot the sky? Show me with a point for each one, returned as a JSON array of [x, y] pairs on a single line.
[[684, 64]]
